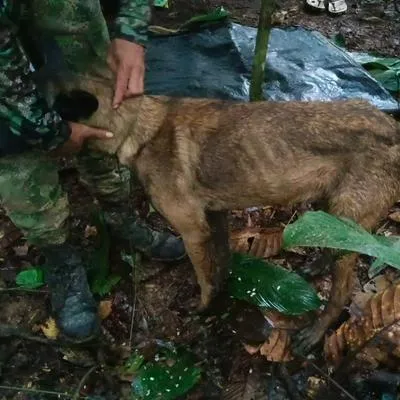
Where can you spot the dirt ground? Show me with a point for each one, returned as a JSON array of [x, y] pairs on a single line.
[[144, 302]]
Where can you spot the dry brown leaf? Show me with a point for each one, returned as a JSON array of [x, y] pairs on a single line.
[[258, 242], [50, 329], [277, 348], [362, 296], [21, 251], [105, 308], [314, 385], [382, 312], [249, 388], [279, 17], [9, 235], [90, 231], [80, 357]]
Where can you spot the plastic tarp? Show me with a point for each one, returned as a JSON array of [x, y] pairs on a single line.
[[216, 62]]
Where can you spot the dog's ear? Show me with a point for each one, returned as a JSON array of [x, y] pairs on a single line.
[[76, 105]]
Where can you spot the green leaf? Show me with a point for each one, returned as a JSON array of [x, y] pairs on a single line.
[[161, 3], [319, 229], [378, 265], [386, 70], [32, 278], [103, 287], [169, 376], [134, 362], [217, 15], [270, 286], [389, 79]]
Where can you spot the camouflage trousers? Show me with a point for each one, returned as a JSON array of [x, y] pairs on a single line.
[[34, 200]]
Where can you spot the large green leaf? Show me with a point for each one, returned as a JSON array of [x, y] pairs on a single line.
[[319, 229], [378, 265], [385, 70], [31, 278], [169, 376], [390, 78], [270, 286]]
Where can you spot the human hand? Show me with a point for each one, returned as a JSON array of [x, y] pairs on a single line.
[[79, 134], [126, 59]]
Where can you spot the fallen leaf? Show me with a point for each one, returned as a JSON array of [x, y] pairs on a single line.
[[80, 357], [259, 242], [50, 329], [21, 251], [362, 296], [90, 231], [105, 308], [314, 385], [277, 347], [250, 387], [380, 320]]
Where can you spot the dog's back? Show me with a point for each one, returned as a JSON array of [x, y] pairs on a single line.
[[277, 152]]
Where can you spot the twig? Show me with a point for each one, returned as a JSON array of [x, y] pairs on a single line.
[[20, 289], [263, 33], [134, 267], [76, 396], [37, 391], [8, 331], [335, 383], [291, 218], [11, 331], [271, 383]]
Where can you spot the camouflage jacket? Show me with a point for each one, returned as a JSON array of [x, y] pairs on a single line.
[[80, 31]]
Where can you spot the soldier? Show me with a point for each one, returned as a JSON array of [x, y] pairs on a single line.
[[31, 32]]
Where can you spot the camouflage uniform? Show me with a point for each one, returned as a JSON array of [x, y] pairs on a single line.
[[29, 186]]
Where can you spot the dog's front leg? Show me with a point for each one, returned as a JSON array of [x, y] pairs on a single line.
[[207, 246]]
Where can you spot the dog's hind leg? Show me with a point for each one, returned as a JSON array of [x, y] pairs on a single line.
[[365, 204], [219, 246]]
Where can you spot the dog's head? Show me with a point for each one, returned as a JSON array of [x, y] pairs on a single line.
[[88, 100], [76, 105]]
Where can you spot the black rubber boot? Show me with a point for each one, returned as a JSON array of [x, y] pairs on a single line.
[[73, 305], [159, 246]]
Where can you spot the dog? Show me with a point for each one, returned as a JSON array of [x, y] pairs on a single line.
[[199, 158]]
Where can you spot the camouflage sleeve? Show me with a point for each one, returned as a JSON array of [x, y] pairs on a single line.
[[21, 106], [132, 21]]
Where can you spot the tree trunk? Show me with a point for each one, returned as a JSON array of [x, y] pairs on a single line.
[[263, 32]]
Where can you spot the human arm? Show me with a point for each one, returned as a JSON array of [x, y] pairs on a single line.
[[30, 122], [127, 51]]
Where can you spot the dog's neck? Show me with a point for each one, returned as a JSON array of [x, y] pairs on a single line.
[[135, 122]]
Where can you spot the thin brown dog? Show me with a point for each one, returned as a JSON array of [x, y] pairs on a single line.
[[199, 158]]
